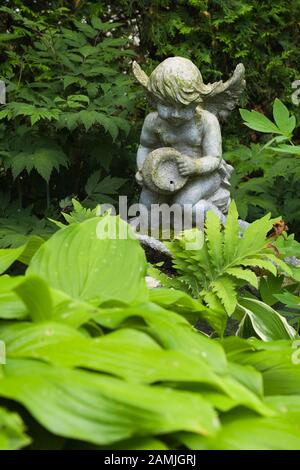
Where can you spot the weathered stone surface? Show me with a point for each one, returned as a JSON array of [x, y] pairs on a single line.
[[2, 92], [161, 173], [179, 159], [293, 261], [154, 245]]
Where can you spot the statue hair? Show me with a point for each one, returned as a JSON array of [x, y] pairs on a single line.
[[177, 80]]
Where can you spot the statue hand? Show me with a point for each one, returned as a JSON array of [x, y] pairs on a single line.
[[187, 166], [139, 178]]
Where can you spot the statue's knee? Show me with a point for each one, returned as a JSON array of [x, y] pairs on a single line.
[[200, 210]]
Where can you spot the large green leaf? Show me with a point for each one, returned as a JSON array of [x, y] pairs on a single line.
[[36, 295], [101, 409], [12, 435], [11, 306], [23, 253], [126, 353], [281, 375], [170, 330], [133, 356], [259, 122], [244, 431], [87, 262], [267, 323], [283, 120]]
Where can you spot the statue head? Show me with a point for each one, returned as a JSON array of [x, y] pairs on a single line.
[[176, 81], [175, 88]]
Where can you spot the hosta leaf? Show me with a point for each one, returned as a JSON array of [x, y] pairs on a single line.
[[8, 256], [267, 323], [247, 376], [101, 409], [177, 301], [11, 306], [36, 296], [126, 353], [281, 373], [12, 431], [136, 443], [23, 253], [170, 329], [24, 338], [244, 431], [90, 261]]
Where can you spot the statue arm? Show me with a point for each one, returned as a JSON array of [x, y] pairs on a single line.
[[141, 155], [211, 150], [211, 146], [148, 142]]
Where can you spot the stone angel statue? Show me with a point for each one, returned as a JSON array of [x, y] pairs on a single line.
[[179, 159]]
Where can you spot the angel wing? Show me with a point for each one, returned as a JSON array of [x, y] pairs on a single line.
[[223, 97], [139, 74]]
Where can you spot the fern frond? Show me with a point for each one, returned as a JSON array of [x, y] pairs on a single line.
[[280, 263], [231, 234], [244, 274], [225, 289], [214, 239], [254, 237], [260, 263]]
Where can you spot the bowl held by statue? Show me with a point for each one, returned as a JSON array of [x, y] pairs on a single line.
[[160, 171]]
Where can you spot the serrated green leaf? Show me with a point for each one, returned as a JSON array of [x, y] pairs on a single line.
[[254, 237], [260, 263], [244, 274], [282, 117], [231, 233], [214, 239], [259, 122], [224, 288]]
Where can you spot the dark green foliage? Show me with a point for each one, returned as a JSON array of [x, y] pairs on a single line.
[[217, 34], [68, 106], [267, 176]]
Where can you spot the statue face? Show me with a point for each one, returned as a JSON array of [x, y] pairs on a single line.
[[176, 115]]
